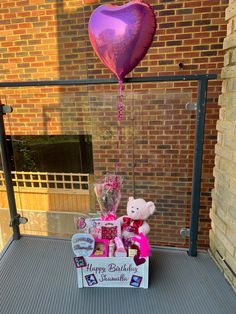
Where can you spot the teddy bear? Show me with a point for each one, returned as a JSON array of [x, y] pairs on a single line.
[[138, 211]]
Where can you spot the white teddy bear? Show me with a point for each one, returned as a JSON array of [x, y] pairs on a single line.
[[138, 211]]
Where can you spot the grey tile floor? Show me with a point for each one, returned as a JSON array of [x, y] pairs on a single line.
[[37, 275]]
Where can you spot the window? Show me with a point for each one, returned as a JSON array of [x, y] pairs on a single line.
[[52, 153]]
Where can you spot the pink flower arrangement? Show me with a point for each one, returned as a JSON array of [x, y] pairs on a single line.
[[108, 192]]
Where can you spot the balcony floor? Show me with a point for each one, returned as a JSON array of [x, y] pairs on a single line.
[[37, 275]]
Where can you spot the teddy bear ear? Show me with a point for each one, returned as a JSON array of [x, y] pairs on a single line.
[[131, 198], [151, 207]]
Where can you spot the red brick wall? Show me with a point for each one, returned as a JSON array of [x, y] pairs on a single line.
[[47, 39]]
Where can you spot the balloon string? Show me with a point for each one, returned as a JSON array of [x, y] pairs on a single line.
[[119, 118]]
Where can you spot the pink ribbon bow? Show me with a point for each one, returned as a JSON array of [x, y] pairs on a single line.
[[109, 217]]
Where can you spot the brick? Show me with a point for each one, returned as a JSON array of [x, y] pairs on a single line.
[[202, 22], [167, 12], [230, 42], [229, 73], [233, 186], [227, 167], [230, 11], [184, 24], [229, 86], [227, 58], [166, 25], [217, 243], [174, 5], [226, 127], [184, 11], [174, 43], [224, 152], [226, 243], [201, 47], [202, 9], [216, 46], [231, 26], [210, 28], [218, 222], [232, 57], [162, 62]]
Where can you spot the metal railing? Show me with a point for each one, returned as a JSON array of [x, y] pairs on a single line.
[[202, 80]]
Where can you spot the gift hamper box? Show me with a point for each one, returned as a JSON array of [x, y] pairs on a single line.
[[112, 252], [103, 258], [123, 272]]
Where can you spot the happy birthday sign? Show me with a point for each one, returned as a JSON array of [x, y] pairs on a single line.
[[113, 272]]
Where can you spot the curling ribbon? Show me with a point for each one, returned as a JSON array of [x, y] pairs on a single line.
[[119, 119]]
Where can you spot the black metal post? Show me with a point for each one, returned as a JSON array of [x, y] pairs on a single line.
[[8, 180], [197, 165]]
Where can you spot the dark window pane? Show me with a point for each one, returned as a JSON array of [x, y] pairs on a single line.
[[51, 153]]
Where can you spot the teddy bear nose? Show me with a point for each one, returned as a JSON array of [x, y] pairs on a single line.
[[132, 211]]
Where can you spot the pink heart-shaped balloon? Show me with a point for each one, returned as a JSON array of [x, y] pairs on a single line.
[[122, 35]]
